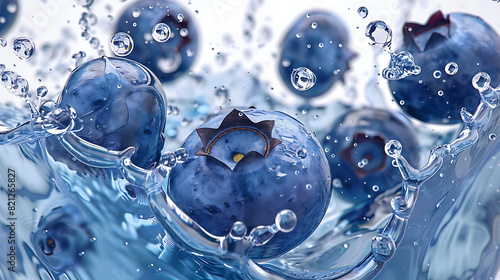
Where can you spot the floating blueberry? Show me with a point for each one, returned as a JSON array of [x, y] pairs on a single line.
[[8, 14], [244, 166], [437, 94], [62, 237], [317, 42], [358, 162], [169, 59], [121, 104]]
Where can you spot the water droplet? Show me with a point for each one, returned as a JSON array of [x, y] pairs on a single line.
[[437, 74], [401, 102], [238, 231], [302, 78], [94, 42], [314, 25], [298, 35], [481, 81], [492, 136], [375, 188], [451, 68], [168, 159], [23, 48], [285, 220], [362, 12], [302, 153], [383, 247], [181, 154], [12, 8], [180, 17], [3, 42], [122, 44], [41, 91], [336, 183], [379, 33], [8, 78], [161, 32], [136, 13], [20, 87], [393, 148], [399, 205], [440, 93], [309, 186], [34, 210], [362, 163], [184, 32]]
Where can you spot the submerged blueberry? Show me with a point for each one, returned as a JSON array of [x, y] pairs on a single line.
[[438, 93], [244, 166], [360, 167], [121, 104], [317, 42], [61, 237], [8, 14], [168, 59]]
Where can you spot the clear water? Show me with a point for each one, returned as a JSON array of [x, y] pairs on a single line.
[[453, 231]]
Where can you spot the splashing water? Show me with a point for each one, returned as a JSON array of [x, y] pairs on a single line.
[[402, 64]]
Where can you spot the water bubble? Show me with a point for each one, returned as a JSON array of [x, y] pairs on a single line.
[[12, 8], [336, 183], [437, 74], [481, 81], [375, 188], [302, 78], [314, 25], [309, 186], [3, 42], [393, 148], [362, 163], [399, 205], [451, 68], [41, 91], [168, 159], [94, 42], [122, 44], [136, 13], [440, 93], [8, 78], [286, 220], [161, 32], [492, 136], [184, 32], [363, 12], [379, 33], [298, 35], [181, 154], [20, 87], [383, 247], [302, 153], [180, 17], [238, 231], [34, 210], [23, 48]]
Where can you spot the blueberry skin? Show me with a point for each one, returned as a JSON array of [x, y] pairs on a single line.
[[61, 236], [9, 17], [461, 38], [155, 55], [380, 126], [330, 58], [258, 187], [121, 104]]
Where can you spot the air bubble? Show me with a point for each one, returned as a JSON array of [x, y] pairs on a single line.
[[302, 153], [393, 148], [302, 78], [23, 48], [451, 68], [122, 44], [362, 163], [286, 220], [184, 32], [437, 74], [161, 32], [440, 93], [363, 12], [481, 81]]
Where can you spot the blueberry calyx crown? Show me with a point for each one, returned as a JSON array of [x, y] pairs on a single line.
[[237, 121], [419, 35]]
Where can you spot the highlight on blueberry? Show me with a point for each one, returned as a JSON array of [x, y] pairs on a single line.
[[356, 152], [450, 50], [243, 167], [167, 55], [318, 42], [120, 104]]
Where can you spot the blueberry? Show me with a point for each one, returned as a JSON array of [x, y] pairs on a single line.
[[245, 166], [170, 59], [318, 42], [8, 14], [121, 104], [61, 237], [461, 38], [360, 168]]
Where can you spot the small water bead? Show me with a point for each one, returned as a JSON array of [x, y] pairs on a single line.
[[314, 25], [8, 78], [180, 17], [492, 136], [122, 44], [181, 154], [451, 68], [379, 33], [3, 42], [437, 74], [336, 183], [136, 13], [184, 32], [401, 102], [302, 153], [383, 247], [481, 81], [41, 91], [302, 78], [12, 8], [238, 231], [362, 163], [375, 188], [363, 12], [399, 205], [23, 48], [440, 93], [286, 220], [20, 87], [161, 32], [393, 148]]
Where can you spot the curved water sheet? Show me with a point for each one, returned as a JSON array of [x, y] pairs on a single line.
[[454, 231]]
